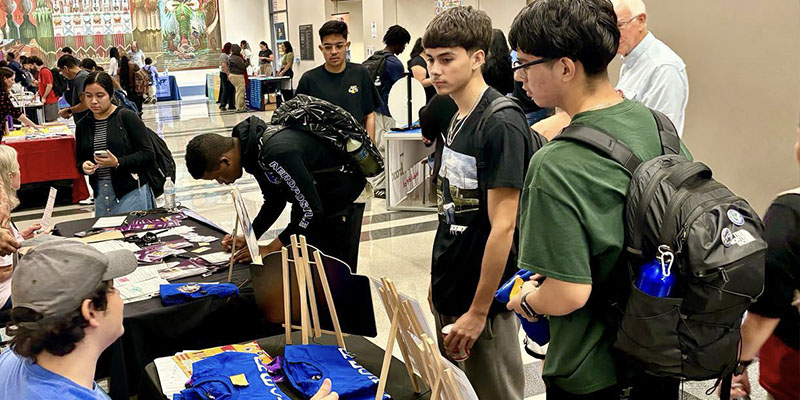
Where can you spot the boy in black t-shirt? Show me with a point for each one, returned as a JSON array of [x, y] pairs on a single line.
[[772, 326], [342, 83], [479, 186]]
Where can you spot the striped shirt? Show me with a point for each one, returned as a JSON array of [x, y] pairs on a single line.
[[101, 144]]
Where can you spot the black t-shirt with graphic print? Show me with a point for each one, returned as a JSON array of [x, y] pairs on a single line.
[[505, 148], [351, 89]]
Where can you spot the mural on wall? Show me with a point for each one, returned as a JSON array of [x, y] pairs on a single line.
[[176, 34], [442, 5]]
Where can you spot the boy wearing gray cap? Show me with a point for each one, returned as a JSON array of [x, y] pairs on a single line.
[[66, 312]]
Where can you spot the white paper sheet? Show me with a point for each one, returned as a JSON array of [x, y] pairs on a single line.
[[177, 231], [109, 222], [141, 291], [113, 245], [141, 274], [218, 257], [171, 376], [47, 216]]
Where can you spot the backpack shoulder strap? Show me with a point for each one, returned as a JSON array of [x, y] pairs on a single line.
[[610, 146], [670, 141], [496, 105]]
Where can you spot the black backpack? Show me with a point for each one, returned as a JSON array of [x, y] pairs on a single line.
[[164, 163], [376, 66], [59, 82], [674, 206], [334, 126]]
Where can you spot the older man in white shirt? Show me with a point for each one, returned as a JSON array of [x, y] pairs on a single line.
[[651, 72]]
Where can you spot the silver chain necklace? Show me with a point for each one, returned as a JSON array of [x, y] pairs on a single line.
[[456, 124]]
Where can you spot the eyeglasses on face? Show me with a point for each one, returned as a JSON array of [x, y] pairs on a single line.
[[621, 25], [519, 67], [337, 46]]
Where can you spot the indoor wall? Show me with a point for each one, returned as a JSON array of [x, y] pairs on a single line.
[[742, 60]]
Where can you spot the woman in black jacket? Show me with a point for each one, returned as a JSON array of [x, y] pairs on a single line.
[[114, 150]]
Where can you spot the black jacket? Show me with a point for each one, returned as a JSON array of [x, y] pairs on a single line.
[[296, 167], [127, 139]]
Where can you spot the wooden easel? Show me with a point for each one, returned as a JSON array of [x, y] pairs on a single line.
[[309, 318], [416, 346]]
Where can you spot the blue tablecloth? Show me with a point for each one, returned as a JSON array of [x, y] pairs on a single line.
[[258, 87], [167, 88]]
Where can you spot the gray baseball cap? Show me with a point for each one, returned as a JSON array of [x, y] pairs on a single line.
[[55, 277]]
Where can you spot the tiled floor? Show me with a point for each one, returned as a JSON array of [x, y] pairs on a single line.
[[396, 245]]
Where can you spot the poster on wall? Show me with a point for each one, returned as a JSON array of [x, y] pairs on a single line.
[[280, 32], [443, 5], [306, 42], [176, 34]]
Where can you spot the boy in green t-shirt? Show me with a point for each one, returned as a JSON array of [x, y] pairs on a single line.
[[571, 211]]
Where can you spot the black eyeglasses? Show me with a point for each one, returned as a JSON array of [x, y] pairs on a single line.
[[516, 66]]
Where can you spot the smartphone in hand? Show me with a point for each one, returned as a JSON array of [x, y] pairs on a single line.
[[101, 154]]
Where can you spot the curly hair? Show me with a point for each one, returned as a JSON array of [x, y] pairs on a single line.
[[396, 35], [57, 335]]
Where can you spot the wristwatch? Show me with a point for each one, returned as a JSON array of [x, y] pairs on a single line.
[[742, 367], [526, 308]]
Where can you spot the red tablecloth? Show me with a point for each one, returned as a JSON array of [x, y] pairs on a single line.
[[42, 160]]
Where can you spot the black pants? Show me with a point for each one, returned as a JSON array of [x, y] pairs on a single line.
[[642, 387], [341, 235], [137, 99], [227, 92], [221, 94]]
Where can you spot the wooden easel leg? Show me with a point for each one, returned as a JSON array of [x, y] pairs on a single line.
[[329, 299], [387, 356], [287, 296], [306, 257], [301, 284]]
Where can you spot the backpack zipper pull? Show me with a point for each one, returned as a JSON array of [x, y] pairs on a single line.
[[725, 280]]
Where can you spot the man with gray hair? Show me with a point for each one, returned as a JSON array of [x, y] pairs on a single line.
[[652, 73]]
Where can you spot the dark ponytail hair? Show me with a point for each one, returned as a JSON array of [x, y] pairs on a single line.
[[103, 79]]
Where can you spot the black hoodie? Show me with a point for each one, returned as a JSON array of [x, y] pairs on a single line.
[[292, 166]]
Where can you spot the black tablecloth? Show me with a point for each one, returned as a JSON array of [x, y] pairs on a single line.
[[152, 330], [366, 354]]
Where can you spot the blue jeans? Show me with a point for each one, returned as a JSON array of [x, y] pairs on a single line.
[[106, 202]]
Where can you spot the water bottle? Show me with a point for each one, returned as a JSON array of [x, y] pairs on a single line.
[[358, 152], [656, 278], [538, 331], [169, 194]]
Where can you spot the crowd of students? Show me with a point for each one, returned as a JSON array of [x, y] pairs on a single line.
[[505, 202]]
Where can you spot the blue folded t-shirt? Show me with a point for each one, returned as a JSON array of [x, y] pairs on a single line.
[[220, 377], [307, 366], [179, 293]]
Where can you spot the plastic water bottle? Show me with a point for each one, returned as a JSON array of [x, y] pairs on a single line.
[[538, 331], [656, 277], [169, 194], [359, 154]]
